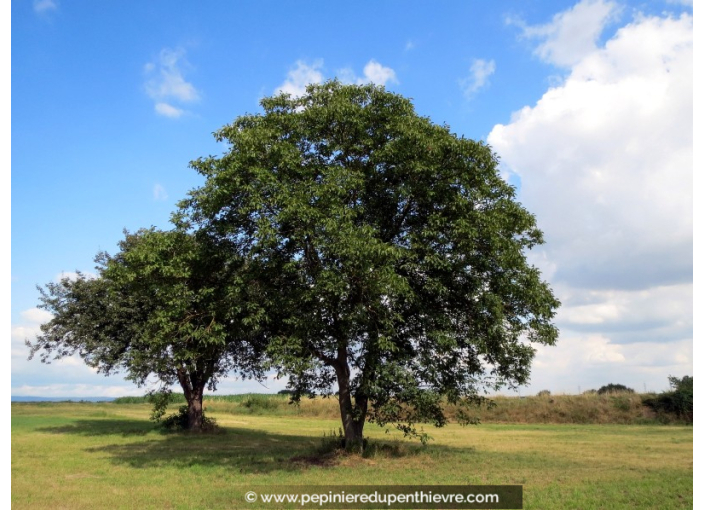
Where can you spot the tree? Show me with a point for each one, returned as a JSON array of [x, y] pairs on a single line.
[[678, 401], [393, 252], [166, 305], [614, 388]]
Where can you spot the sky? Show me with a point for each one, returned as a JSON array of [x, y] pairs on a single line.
[[588, 105]]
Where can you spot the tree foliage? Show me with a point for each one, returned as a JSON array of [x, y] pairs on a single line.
[[614, 388], [678, 401], [168, 305], [390, 253]]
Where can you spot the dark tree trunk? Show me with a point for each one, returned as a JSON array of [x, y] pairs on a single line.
[[353, 414], [195, 410], [193, 386]]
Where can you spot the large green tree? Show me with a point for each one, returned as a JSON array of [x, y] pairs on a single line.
[[393, 253], [168, 306]]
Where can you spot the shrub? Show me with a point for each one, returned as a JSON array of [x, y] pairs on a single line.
[[160, 401], [679, 401], [614, 388], [332, 442], [179, 421], [544, 393]]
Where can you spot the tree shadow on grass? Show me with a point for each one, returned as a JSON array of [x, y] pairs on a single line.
[[104, 427], [245, 451], [241, 449]]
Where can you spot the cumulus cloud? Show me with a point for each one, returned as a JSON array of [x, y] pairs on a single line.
[[478, 78], [572, 34], [373, 72], [166, 83], [378, 74], [44, 6], [605, 163], [36, 315], [656, 314], [301, 75], [605, 160]]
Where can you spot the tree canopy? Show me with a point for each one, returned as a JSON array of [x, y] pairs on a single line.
[[168, 306], [390, 254]]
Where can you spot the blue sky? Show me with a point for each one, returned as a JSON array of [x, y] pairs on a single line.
[[588, 104]]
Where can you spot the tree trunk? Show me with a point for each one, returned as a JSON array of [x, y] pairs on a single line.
[[353, 415], [195, 411], [193, 387]]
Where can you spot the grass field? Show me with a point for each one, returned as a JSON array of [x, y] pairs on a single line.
[[105, 455]]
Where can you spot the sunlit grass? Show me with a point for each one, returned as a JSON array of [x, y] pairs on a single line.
[[110, 456]]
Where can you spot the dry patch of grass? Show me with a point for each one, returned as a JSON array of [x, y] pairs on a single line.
[[616, 408]]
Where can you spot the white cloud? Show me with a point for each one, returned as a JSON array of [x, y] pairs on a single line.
[[36, 315], [44, 6], [659, 313], [605, 160], [168, 110], [378, 74], [571, 34], [304, 74], [169, 81], [605, 164], [300, 76], [27, 329], [410, 45], [373, 72], [479, 73], [582, 362], [166, 83], [160, 192]]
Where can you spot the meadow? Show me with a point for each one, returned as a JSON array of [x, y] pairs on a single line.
[[586, 454]]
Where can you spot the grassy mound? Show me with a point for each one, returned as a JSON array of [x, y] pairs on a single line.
[[589, 408]]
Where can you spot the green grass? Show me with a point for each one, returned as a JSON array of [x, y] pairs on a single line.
[[103, 455]]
